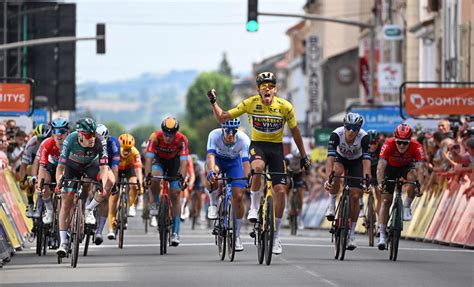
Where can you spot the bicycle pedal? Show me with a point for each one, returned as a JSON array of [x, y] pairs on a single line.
[[253, 234], [332, 231], [215, 232]]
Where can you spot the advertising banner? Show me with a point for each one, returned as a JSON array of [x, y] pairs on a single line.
[[15, 98], [439, 101], [382, 119]]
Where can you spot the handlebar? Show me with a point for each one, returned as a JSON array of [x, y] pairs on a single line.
[[401, 183], [364, 180]]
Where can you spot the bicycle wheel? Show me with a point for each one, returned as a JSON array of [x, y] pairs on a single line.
[[146, 210], [221, 236], [76, 232], [337, 237], [270, 230], [395, 233], [344, 227], [88, 233], [122, 215], [45, 238], [260, 236], [39, 235], [163, 225], [370, 217], [56, 237], [230, 231]]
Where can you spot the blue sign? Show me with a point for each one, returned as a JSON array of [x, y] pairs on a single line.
[[40, 116], [382, 119]]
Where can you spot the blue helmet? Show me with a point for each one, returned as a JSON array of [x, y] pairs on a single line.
[[234, 123], [60, 123]]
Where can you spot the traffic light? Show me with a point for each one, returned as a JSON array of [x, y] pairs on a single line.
[[252, 21], [100, 34]]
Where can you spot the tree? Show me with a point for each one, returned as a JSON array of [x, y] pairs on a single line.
[[197, 103], [224, 67], [142, 133], [115, 128]]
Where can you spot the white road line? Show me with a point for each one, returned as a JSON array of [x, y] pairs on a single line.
[[312, 273]]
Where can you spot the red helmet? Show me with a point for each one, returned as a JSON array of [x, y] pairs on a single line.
[[403, 132]]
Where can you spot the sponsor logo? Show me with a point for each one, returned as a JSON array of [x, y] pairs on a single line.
[[252, 151], [267, 124], [417, 100], [439, 101], [258, 107]]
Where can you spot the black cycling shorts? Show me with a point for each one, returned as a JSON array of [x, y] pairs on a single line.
[[127, 173], [272, 155], [393, 172], [353, 168], [298, 180], [169, 167], [90, 171]]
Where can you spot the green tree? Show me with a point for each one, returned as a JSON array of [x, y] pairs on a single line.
[[197, 103], [224, 67], [142, 133], [115, 128]]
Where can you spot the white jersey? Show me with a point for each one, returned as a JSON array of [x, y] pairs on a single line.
[[338, 145], [31, 149], [216, 145]]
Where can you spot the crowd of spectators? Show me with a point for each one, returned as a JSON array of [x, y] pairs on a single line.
[[12, 145]]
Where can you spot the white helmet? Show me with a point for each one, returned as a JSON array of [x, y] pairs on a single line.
[[102, 131]]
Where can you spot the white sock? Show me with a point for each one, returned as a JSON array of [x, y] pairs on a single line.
[[238, 223], [254, 199], [332, 199], [213, 197], [183, 204], [353, 228], [63, 235], [361, 202], [407, 202], [278, 223], [102, 220], [93, 204], [48, 203], [382, 228]]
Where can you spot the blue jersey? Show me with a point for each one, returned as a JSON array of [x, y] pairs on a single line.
[[113, 151]]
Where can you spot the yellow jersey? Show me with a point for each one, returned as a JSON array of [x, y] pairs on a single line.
[[133, 159], [267, 122]]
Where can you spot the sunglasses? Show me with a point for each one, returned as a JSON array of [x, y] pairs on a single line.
[[88, 136], [353, 128], [267, 86], [230, 130], [59, 131], [402, 142], [168, 135], [374, 142]]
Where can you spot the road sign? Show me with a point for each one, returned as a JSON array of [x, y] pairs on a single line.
[[390, 77], [392, 32]]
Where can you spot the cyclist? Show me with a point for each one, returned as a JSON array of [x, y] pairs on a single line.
[[41, 132], [401, 156], [267, 116], [82, 153], [167, 153], [227, 151], [191, 178], [49, 157], [375, 145], [348, 150], [113, 155], [293, 160]]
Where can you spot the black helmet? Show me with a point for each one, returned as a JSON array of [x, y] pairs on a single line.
[[373, 135], [86, 125], [353, 120], [266, 77], [170, 125]]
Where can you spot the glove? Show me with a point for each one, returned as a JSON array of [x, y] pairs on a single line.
[[210, 176], [212, 95], [32, 180], [327, 185], [305, 163], [366, 188], [57, 189]]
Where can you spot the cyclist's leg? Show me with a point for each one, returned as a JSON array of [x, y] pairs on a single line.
[[257, 164], [172, 169], [113, 200], [48, 175], [157, 170], [338, 170], [236, 170], [387, 198], [66, 205], [354, 169], [410, 175], [132, 191], [213, 192]]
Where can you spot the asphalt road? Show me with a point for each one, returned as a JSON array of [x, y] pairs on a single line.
[[307, 260]]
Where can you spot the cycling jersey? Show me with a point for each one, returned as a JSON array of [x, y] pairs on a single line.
[[338, 146], [394, 158], [267, 122], [113, 151], [78, 157], [133, 160], [49, 152], [157, 146], [31, 149], [217, 146], [294, 163]]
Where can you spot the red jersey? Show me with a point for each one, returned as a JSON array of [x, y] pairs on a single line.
[[390, 153], [157, 146], [49, 152]]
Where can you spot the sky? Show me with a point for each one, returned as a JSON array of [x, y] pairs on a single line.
[[160, 36]]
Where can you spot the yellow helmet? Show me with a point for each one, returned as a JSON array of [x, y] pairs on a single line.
[[126, 141]]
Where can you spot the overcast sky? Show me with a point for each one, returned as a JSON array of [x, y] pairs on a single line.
[[160, 36]]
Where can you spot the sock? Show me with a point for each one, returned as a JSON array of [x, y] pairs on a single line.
[[382, 228], [102, 220], [183, 204], [407, 202], [353, 228], [277, 230], [238, 223], [63, 235], [39, 202], [332, 199], [176, 223], [213, 197], [92, 204], [254, 199], [48, 203]]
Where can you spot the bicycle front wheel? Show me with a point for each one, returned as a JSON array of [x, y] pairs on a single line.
[[221, 236], [89, 233], [230, 232], [344, 227], [260, 236], [122, 219], [371, 220], [39, 235], [163, 225], [76, 232], [270, 230]]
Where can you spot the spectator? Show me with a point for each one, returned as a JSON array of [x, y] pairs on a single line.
[[444, 126], [3, 156], [17, 151], [3, 129], [11, 129]]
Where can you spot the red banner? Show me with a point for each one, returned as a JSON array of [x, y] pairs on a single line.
[[14, 98], [439, 101]]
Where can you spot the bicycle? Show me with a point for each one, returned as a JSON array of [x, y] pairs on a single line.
[[224, 225], [370, 218], [122, 211], [293, 216], [164, 216], [395, 226], [49, 233], [264, 229], [146, 208], [342, 222], [77, 220]]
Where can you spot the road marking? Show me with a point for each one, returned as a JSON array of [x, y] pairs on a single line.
[[312, 273]]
